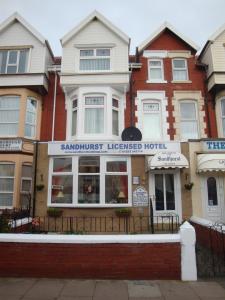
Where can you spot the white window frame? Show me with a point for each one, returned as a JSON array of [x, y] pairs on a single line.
[[27, 179], [17, 60], [158, 80], [159, 112], [31, 124], [117, 109], [73, 109], [189, 120], [95, 57], [102, 174], [8, 177], [185, 69], [12, 109]]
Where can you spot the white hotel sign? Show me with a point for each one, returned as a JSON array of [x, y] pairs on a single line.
[[11, 145], [112, 148]]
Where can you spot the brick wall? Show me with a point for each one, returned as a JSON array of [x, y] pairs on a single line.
[[101, 261]]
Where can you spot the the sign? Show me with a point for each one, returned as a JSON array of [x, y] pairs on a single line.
[[114, 148], [11, 145], [214, 146], [140, 196], [136, 180]]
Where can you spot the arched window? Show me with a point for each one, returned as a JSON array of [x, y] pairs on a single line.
[[212, 191], [188, 120]]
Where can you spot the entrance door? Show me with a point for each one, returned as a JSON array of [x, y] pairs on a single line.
[[213, 198], [165, 189]]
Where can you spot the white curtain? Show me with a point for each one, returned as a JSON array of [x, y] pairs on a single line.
[[9, 115], [94, 120], [95, 64], [151, 127]]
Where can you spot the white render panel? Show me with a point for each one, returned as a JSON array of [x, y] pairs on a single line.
[[95, 33], [218, 52], [24, 80], [18, 35]]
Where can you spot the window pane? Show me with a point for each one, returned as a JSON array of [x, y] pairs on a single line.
[[7, 170], [212, 191], [151, 106], [155, 63], [74, 122], [189, 130], [62, 164], [9, 116], [116, 166], [87, 52], [94, 120], [115, 122], [170, 196], [103, 52], [116, 189], [180, 75], [11, 69], [23, 61], [88, 189], [29, 130], [223, 108], [27, 171], [151, 126], [9, 102], [94, 100], [188, 111], [159, 192], [6, 199], [179, 63], [12, 57], [62, 189], [155, 73], [223, 124], [8, 129], [89, 164], [6, 184], [26, 185], [95, 64], [115, 103], [75, 103], [3, 58]]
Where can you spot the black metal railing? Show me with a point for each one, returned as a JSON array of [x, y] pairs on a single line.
[[105, 225], [15, 213]]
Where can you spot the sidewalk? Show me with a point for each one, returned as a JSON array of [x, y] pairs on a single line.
[[69, 289]]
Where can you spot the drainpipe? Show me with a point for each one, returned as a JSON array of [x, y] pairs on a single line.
[[35, 177], [54, 105]]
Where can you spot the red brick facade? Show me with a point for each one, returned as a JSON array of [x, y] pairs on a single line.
[[95, 261]]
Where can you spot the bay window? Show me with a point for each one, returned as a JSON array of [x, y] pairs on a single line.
[[188, 120], [88, 181], [6, 184], [180, 72], [31, 118], [152, 128], [94, 115], [9, 115], [95, 59], [13, 61], [223, 116]]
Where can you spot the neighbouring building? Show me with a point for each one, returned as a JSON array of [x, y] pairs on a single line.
[[24, 57]]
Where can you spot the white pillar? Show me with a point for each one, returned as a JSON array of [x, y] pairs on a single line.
[[188, 256]]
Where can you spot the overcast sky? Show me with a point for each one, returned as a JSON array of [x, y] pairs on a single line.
[[196, 19]]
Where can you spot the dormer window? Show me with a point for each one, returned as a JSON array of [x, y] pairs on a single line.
[[13, 61], [95, 59]]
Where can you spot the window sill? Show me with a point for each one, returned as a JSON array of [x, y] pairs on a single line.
[[90, 205], [181, 81], [156, 81]]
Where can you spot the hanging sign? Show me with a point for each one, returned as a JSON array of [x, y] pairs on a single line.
[[140, 196]]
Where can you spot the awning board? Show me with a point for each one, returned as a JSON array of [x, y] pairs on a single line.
[[211, 162], [167, 160]]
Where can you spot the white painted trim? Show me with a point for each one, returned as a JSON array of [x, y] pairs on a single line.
[[218, 32], [162, 71], [20, 222], [201, 221], [90, 239], [155, 54]]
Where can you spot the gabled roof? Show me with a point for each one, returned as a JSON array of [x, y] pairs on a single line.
[[212, 39], [16, 17], [94, 15], [160, 30]]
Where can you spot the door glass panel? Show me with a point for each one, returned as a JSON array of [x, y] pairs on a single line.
[[170, 197], [159, 193], [212, 191]]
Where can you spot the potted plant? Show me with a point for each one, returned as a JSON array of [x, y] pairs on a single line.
[[54, 212], [40, 187], [123, 212], [188, 186]]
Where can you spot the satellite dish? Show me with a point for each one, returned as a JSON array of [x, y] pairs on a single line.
[[131, 134]]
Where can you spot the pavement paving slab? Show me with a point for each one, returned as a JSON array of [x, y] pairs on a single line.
[[79, 288], [111, 290], [15, 286], [208, 290], [143, 288]]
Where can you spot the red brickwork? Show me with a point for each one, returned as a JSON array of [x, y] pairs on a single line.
[[102, 261]]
